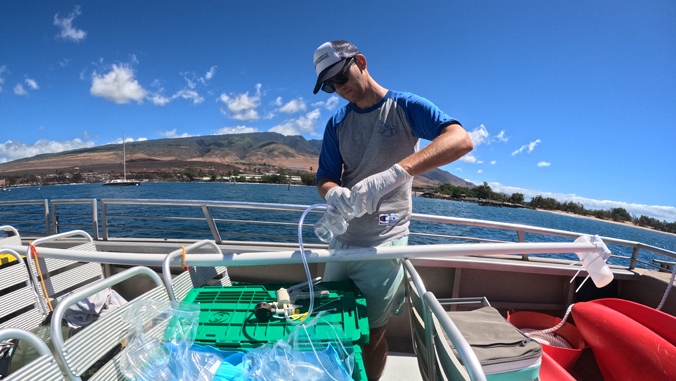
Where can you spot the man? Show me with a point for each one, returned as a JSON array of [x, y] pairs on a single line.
[[368, 159]]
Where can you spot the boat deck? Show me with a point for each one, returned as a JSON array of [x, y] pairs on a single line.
[[401, 367]]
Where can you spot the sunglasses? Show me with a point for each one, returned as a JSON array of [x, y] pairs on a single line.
[[338, 79]]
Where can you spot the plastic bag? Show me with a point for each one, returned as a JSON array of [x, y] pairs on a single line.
[[301, 356], [154, 324]]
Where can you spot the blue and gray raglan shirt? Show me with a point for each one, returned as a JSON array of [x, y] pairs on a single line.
[[359, 143]]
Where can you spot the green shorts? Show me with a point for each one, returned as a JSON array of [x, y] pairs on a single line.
[[380, 281]]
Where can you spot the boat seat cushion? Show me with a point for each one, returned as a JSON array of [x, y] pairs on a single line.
[[493, 339]]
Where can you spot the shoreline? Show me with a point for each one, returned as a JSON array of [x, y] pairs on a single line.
[[626, 223]]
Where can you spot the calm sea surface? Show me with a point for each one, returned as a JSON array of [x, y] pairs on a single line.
[[304, 196]]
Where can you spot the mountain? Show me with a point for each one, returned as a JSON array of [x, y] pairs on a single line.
[[439, 176], [265, 150]]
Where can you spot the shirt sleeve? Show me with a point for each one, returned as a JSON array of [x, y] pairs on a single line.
[[424, 117], [330, 161]]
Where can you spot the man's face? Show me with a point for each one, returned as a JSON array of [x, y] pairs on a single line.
[[354, 88]]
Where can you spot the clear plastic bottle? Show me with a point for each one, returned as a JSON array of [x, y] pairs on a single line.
[[330, 226]]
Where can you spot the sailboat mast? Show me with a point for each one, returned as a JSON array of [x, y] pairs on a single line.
[[124, 157]]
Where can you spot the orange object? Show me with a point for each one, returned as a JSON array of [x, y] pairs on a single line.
[[183, 260], [563, 356], [42, 280]]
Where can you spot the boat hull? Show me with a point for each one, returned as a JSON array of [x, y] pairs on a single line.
[[123, 183]]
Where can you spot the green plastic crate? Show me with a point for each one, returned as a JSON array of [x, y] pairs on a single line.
[[227, 318], [359, 372]]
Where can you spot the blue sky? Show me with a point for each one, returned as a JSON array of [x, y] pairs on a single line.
[[572, 99]]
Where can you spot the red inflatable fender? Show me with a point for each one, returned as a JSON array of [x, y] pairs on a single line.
[[624, 348]]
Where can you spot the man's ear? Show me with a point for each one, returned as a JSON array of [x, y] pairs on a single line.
[[360, 60]]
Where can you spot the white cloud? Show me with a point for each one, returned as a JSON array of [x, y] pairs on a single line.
[[19, 90], [118, 86], [127, 139], [660, 212], [479, 162], [469, 159], [501, 136], [16, 150], [493, 162], [68, 32], [480, 171], [210, 73], [64, 63], [133, 58], [86, 135], [32, 84], [246, 115], [479, 135], [459, 169], [299, 125], [172, 134], [330, 104], [242, 106], [159, 100], [236, 130], [293, 106], [241, 102], [530, 146], [41, 128], [189, 94], [544, 164]]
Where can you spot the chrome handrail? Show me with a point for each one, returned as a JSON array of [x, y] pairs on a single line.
[[206, 206], [45, 214], [94, 215]]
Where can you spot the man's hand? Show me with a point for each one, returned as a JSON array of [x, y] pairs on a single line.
[[367, 193], [339, 198]]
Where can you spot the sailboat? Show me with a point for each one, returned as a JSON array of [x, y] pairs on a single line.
[[123, 182]]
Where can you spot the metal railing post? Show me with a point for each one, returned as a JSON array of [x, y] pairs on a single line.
[[522, 238], [95, 220], [634, 257], [47, 229], [55, 222], [104, 221], [212, 224]]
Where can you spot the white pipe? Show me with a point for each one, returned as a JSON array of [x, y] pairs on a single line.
[[319, 256]]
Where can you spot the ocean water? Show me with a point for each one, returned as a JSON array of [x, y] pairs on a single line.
[[304, 196]]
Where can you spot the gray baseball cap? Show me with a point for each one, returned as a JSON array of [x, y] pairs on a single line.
[[329, 57]]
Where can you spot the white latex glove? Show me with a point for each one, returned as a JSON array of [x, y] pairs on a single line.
[[339, 198], [367, 193]]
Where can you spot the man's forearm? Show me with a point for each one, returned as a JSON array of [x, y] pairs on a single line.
[[452, 144], [323, 186]]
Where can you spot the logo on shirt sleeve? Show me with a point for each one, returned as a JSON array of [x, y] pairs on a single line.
[[388, 219]]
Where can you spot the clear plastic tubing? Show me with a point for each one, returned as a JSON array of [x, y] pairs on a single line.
[[307, 268]]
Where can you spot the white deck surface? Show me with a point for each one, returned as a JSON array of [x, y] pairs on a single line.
[[401, 367]]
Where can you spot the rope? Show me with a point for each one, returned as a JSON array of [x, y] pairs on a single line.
[[550, 339], [42, 280], [547, 336], [183, 260], [666, 293]]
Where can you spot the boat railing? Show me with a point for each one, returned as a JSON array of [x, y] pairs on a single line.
[[57, 224], [206, 207], [206, 215], [23, 217]]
